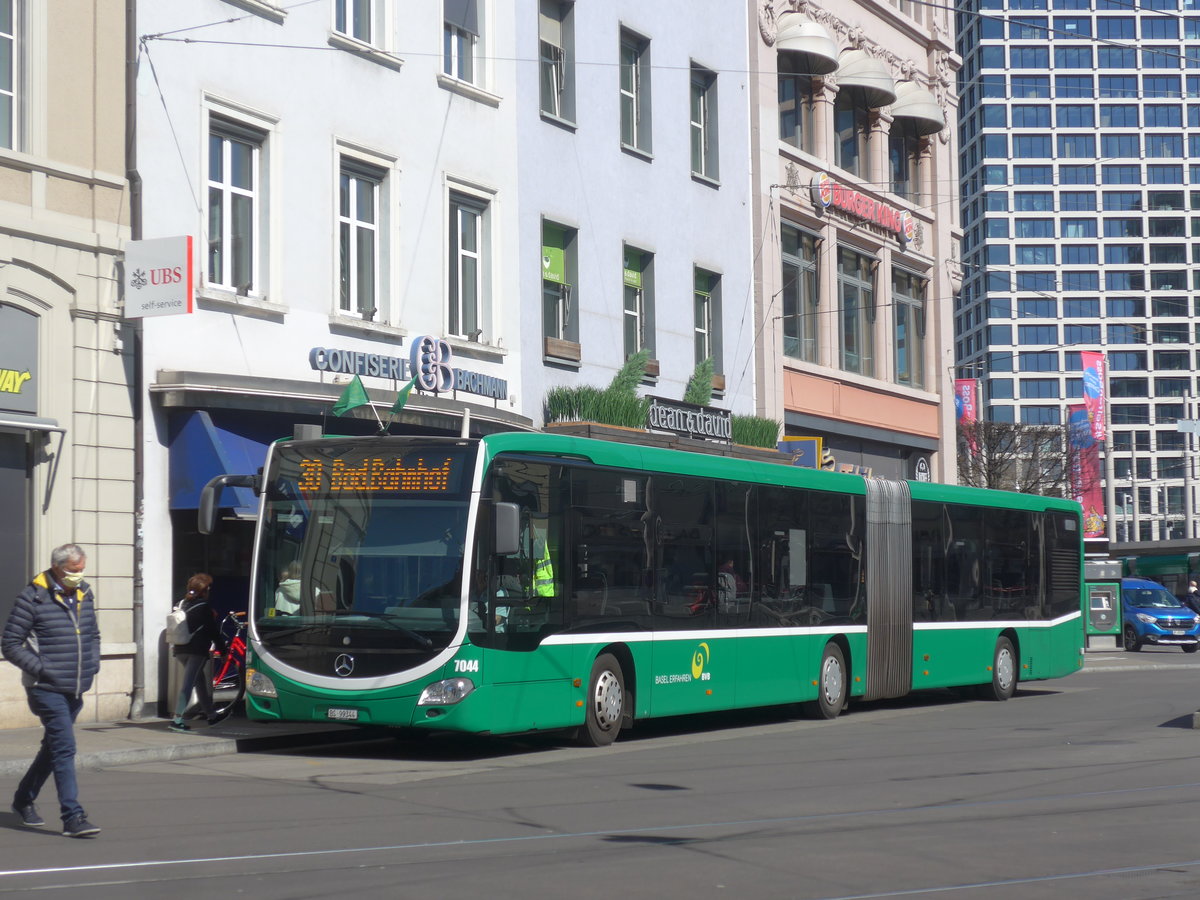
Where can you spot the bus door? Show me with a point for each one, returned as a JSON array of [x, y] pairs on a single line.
[[889, 589]]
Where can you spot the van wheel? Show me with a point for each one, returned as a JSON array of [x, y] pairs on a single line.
[[1132, 644], [831, 688], [605, 703], [1004, 672], [1191, 648]]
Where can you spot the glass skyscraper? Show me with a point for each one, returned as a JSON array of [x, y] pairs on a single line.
[[1080, 160]]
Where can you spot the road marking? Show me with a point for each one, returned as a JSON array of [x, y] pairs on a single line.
[[735, 823]]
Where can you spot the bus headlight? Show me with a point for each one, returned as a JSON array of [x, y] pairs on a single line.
[[447, 692], [259, 685]]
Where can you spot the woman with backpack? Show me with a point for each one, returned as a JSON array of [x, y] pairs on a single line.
[[205, 632]]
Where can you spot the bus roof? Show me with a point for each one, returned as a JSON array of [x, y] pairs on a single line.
[[639, 457]]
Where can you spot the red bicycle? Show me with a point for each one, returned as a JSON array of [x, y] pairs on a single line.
[[229, 667]]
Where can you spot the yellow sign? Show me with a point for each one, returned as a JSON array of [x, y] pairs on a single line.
[[11, 380]]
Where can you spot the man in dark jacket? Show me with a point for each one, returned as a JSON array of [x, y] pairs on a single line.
[[53, 638]]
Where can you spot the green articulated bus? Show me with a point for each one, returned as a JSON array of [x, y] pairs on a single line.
[[523, 581]]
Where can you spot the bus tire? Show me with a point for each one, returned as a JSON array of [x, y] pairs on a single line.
[[831, 685], [605, 705], [1004, 671]]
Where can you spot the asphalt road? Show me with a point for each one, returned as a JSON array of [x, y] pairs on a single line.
[[1082, 787]]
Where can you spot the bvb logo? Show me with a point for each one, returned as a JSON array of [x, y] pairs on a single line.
[[700, 660]]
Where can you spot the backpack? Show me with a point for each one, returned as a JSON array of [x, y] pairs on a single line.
[[177, 626]]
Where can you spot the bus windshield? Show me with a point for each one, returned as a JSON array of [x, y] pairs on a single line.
[[360, 555]]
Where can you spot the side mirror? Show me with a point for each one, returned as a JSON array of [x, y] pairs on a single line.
[[210, 494], [508, 528]]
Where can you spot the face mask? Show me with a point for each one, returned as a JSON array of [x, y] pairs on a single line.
[[71, 580]]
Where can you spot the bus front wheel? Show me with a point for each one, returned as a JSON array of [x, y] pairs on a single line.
[[831, 685], [1004, 672], [605, 705]]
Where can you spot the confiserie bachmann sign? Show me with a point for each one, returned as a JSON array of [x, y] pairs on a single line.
[[688, 420]]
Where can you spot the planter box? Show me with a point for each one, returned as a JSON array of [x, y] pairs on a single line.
[[669, 441], [560, 349]]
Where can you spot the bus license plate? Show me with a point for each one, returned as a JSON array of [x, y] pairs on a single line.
[[345, 715]]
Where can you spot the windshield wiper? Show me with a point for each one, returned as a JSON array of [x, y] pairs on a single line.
[[390, 619], [283, 635]]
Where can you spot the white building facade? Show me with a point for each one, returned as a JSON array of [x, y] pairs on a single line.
[[365, 181]]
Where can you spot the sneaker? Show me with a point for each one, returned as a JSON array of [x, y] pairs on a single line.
[[79, 827], [217, 720], [179, 726], [29, 815]]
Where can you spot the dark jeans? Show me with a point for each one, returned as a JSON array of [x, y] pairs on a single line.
[[57, 753], [195, 676]]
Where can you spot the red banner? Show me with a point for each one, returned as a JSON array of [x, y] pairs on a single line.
[[1086, 486], [1095, 396]]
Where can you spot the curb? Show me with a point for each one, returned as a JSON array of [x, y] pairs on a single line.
[[199, 747]]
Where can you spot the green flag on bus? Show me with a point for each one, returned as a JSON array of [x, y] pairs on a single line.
[[354, 396], [402, 397]]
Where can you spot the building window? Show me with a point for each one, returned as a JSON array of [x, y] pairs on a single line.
[[635, 92], [852, 123], [557, 59], [856, 292], [908, 308], [559, 275], [460, 39], [10, 66], [354, 18], [638, 277], [904, 155], [468, 265], [233, 206], [704, 123], [796, 110], [706, 303], [800, 295], [359, 239]]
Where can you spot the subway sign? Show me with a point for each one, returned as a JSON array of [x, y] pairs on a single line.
[[829, 193]]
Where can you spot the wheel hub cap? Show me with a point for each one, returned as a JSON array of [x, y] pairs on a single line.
[[831, 681], [608, 700], [1005, 669]]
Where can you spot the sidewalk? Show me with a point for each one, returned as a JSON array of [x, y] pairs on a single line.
[[147, 740]]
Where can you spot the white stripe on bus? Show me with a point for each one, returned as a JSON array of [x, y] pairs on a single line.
[[638, 637]]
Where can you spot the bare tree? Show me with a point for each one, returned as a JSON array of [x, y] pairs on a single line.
[[1032, 459]]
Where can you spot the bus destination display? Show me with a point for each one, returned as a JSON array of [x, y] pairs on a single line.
[[414, 474]]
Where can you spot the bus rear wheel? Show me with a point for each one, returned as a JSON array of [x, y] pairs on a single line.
[[1004, 672], [831, 685], [605, 706]]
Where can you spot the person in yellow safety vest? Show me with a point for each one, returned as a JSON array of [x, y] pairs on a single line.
[[543, 574]]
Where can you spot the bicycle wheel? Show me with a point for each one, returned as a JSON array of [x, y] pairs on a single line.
[[228, 682]]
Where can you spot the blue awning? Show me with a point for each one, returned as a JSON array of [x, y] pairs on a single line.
[[204, 445]]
